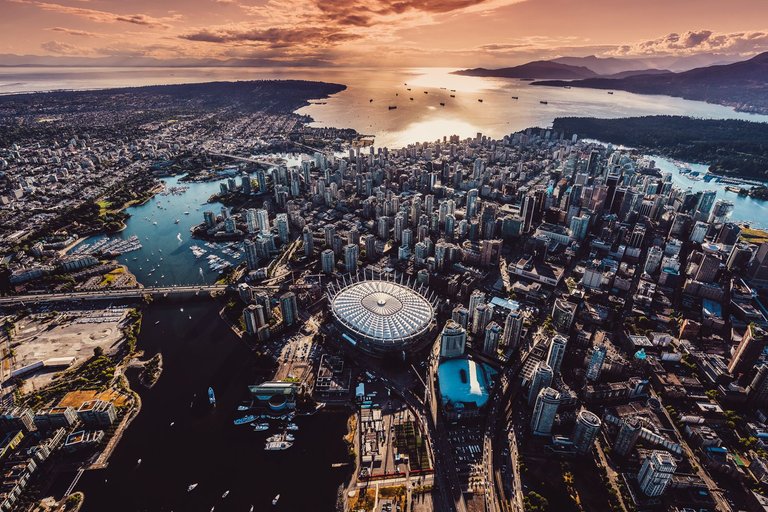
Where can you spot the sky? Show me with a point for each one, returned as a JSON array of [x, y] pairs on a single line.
[[386, 33]]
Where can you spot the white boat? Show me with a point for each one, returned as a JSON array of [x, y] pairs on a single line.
[[243, 407], [274, 500], [226, 493], [191, 487], [138, 462], [292, 426], [289, 437], [245, 419], [280, 445], [260, 427]]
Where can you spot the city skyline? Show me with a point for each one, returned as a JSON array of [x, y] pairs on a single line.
[[450, 33]]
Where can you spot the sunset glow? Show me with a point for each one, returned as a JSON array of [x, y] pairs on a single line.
[[372, 33]]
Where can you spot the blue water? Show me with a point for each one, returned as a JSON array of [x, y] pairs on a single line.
[[745, 209], [172, 259]]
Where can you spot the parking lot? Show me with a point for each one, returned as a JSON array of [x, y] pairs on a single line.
[[467, 444]]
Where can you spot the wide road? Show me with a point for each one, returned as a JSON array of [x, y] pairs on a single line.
[[496, 433], [127, 293]]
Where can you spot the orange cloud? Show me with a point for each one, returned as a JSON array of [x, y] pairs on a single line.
[[103, 16]]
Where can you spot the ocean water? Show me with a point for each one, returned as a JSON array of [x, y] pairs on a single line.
[[420, 119]]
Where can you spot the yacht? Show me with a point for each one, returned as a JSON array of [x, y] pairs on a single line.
[[280, 445], [245, 419]]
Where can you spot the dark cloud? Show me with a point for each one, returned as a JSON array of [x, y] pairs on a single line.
[[386, 7], [273, 37]]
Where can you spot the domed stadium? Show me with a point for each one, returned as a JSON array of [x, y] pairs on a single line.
[[381, 316]]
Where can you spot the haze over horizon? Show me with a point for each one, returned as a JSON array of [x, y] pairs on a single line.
[[403, 33]]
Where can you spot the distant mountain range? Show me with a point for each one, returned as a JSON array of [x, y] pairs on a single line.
[[574, 68], [535, 69], [552, 69], [612, 65], [742, 85]]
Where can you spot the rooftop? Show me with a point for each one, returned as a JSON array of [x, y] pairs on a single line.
[[382, 310], [463, 381]]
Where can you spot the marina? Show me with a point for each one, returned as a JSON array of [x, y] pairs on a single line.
[[109, 247]]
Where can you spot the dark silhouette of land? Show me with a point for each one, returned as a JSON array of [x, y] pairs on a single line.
[[731, 147]]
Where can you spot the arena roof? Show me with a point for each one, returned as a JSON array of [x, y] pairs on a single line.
[[382, 311]]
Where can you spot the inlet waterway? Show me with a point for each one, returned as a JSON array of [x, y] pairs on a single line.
[[181, 440]]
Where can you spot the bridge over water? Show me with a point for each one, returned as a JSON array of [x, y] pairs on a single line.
[[127, 293]]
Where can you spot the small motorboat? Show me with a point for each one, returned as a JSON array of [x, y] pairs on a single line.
[[226, 493], [191, 487], [275, 499]]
